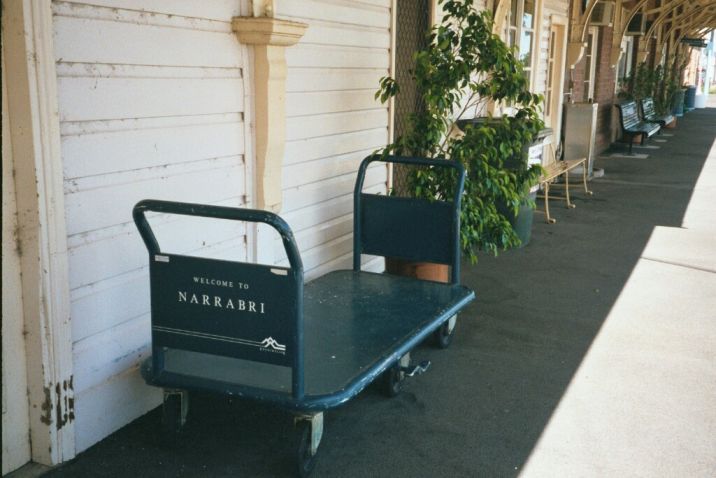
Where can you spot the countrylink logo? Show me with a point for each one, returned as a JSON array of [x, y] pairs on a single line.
[[270, 343]]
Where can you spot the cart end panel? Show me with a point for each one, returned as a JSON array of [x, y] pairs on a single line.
[[239, 310]]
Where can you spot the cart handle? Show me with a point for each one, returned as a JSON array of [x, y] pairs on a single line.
[[358, 212], [218, 212]]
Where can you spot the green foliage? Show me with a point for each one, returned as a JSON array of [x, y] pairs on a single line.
[[661, 83], [465, 66], [641, 83]]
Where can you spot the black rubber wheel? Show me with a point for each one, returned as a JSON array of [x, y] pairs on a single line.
[[392, 381], [171, 420], [305, 462], [442, 337]]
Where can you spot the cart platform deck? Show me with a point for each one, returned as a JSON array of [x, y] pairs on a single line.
[[351, 336]]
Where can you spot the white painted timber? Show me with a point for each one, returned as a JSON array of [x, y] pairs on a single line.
[[103, 409], [34, 128], [15, 411], [152, 100], [313, 103], [309, 149], [324, 168], [185, 236], [325, 56], [550, 7], [144, 145], [336, 12], [305, 218], [331, 79], [91, 99], [112, 42], [313, 193], [98, 208], [333, 122], [212, 10], [342, 35]]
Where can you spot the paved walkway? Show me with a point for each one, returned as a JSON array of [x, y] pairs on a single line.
[[589, 352], [643, 400]]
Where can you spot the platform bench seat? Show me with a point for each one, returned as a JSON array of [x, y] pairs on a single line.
[[551, 172], [632, 125], [648, 112]]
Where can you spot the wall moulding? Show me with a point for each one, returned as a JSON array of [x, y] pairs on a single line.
[[34, 127], [269, 38]]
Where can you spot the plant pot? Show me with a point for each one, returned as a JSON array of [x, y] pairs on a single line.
[[690, 98], [522, 222], [671, 125], [418, 270], [678, 106]]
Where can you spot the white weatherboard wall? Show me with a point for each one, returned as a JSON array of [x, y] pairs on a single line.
[[332, 123], [151, 96]]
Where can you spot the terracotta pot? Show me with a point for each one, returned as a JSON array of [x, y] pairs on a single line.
[[419, 270], [671, 125]]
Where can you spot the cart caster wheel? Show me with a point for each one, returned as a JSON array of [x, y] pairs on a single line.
[[174, 411], [444, 334], [393, 381], [305, 460]]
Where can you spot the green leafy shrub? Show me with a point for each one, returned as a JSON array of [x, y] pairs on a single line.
[[465, 67]]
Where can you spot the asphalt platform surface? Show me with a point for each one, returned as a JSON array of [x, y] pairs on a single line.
[[484, 406]]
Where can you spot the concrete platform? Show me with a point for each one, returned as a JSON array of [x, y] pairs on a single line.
[[590, 352]]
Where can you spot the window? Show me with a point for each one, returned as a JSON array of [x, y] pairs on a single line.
[[590, 59], [625, 61], [520, 32]]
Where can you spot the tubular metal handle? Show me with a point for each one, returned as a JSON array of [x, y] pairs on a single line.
[[457, 198], [217, 212], [443, 163]]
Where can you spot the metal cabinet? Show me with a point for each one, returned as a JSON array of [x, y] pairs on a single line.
[[580, 128]]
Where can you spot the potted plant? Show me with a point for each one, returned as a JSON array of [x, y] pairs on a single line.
[[661, 83], [465, 68]]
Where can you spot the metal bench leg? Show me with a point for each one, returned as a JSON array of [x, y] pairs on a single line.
[[584, 179], [631, 144], [566, 191], [550, 220]]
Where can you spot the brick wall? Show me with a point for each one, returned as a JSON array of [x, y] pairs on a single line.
[[604, 89]]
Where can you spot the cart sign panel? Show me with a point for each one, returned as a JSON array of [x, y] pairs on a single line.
[[239, 310]]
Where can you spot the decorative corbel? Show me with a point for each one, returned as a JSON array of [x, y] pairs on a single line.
[[617, 34], [269, 36], [578, 32], [575, 52]]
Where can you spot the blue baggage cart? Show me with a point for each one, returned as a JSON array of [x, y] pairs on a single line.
[[257, 332]]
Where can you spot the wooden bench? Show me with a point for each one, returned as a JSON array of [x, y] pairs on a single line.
[[552, 170], [632, 125], [648, 112]]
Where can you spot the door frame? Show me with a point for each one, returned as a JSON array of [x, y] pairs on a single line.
[[593, 31], [27, 34], [559, 23]]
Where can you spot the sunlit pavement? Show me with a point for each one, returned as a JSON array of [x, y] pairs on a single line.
[[643, 400]]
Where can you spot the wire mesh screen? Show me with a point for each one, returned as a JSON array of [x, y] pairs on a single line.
[[410, 36]]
